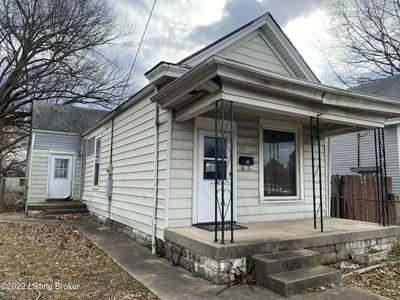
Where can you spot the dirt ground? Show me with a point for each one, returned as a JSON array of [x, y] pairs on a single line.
[[384, 281], [54, 261]]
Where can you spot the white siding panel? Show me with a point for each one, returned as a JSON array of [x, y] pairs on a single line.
[[181, 173], [257, 53], [250, 208], [133, 169], [344, 151]]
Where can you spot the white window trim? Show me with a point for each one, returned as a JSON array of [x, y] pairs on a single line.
[[298, 130], [96, 187]]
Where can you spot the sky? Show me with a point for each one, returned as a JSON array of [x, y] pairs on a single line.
[[180, 27]]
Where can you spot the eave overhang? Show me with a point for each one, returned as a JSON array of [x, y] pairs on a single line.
[[193, 85]]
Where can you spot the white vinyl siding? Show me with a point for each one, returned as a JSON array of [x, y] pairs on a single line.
[[181, 174], [257, 52], [344, 153], [45, 143], [287, 57], [133, 168], [250, 207]]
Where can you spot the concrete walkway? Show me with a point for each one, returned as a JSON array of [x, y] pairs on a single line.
[[169, 282]]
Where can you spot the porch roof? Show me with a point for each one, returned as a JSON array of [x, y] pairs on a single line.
[[220, 78]]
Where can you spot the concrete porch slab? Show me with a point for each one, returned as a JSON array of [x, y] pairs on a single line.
[[266, 237]]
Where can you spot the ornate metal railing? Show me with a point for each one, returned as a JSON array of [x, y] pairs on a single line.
[[224, 176]]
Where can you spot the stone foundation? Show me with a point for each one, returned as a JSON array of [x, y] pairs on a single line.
[[142, 238], [342, 251], [224, 270], [220, 271], [217, 271]]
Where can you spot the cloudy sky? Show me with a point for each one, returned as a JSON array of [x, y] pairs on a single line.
[[180, 27]]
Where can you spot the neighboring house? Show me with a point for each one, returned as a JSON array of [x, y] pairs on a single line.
[[354, 153], [150, 164], [54, 159], [14, 184]]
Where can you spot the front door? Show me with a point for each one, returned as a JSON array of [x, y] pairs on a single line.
[[60, 176], [206, 178]]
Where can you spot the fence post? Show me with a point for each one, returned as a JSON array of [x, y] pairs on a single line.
[[2, 191]]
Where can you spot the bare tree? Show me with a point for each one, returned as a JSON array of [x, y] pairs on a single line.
[[366, 44], [55, 50]]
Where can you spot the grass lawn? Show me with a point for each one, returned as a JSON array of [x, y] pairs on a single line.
[[37, 261]]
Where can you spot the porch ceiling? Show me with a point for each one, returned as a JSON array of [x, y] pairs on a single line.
[[218, 78]]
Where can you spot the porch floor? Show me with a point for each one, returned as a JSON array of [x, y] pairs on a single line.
[[265, 237]]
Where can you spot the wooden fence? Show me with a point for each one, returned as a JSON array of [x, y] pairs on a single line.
[[355, 197]]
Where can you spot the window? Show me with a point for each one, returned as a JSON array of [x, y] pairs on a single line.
[[96, 172], [280, 163], [61, 168], [209, 158], [22, 182]]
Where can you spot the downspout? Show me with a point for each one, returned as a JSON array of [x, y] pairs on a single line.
[[110, 173], [358, 150], [155, 198]]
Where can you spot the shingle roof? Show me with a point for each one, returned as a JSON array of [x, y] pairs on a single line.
[[387, 87], [67, 118]]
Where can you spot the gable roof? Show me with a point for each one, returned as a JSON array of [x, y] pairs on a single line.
[[66, 118], [297, 62], [388, 87], [273, 32], [219, 40]]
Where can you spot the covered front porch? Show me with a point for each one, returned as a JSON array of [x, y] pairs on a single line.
[[340, 236], [194, 249], [245, 119]]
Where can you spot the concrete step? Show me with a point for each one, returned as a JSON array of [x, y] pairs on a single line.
[[66, 211], [297, 281], [277, 262], [55, 205], [55, 217]]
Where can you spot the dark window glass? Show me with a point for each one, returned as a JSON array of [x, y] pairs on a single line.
[[97, 163], [209, 169], [209, 147], [96, 174], [279, 151]]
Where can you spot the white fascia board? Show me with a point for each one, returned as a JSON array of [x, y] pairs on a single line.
[[227, 68], [392, 121], [55, 132], [164, 70], [328, 95], [186, 83], [225, 43], [296, 57]]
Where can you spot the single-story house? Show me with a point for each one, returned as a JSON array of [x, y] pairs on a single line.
[[231, 135], [354, 153], [54, 162]]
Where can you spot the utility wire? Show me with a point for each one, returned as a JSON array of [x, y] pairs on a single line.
[[138, 49]]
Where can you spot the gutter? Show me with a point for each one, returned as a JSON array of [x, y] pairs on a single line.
[[155, 197]]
